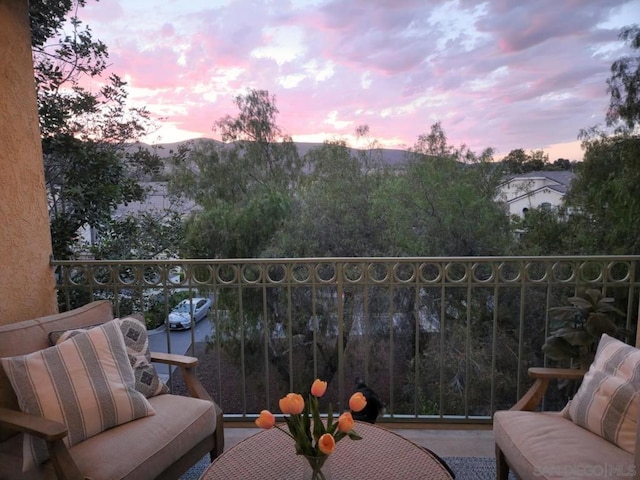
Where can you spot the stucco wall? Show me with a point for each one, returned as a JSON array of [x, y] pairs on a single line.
[[26, 280], [534, 200]]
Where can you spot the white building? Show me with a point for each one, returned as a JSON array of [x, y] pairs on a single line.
[[157, 200], [520, 193]]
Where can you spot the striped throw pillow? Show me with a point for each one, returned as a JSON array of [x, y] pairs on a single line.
[[608, 401], [87, 383]]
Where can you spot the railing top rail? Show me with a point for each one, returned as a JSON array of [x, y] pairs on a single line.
[[204, 261]]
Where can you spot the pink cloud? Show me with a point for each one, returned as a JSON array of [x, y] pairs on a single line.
[[510, 77]]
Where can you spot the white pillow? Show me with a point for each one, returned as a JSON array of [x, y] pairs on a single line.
[[86, 382]]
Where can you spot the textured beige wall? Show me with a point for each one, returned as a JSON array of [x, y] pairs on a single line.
[[26, 279]]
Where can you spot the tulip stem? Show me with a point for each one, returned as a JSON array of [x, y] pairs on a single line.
[[282, 430]]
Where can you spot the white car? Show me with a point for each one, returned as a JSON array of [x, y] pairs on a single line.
[[180, 316]]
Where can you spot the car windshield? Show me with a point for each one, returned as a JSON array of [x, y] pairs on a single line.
[[183, 308]]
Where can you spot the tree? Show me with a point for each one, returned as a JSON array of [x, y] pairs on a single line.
[[89, 165], [546, 232], [149, 234], [447, 202], [605, 196], [562, 164], [245, 187], [333, 213], [624, 84], [604, 200], [517, 161]]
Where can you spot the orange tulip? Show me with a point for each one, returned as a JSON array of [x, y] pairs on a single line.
[[357, 402], [266, 420], [318, 388], [327, 444], [345, 422], [292, 404]]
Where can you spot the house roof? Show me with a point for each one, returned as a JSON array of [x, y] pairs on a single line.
[[559, 180]]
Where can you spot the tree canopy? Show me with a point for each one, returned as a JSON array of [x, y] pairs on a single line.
[[624, 83], [245, 186], [602, 206], [90, 163]]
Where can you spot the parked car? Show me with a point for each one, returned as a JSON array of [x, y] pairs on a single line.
[[180, 316]]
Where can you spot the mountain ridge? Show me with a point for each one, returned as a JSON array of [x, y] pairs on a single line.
[[390, 156]]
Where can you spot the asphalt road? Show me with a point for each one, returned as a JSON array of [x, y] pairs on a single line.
[[177, 341]]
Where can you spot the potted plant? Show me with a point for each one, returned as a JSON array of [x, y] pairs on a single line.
[[579, 326]]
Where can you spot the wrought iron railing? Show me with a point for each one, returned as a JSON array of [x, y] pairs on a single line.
[[439, 339]]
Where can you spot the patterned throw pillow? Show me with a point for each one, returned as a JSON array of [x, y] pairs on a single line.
[[86, 383], [137, 341], [608, 401]]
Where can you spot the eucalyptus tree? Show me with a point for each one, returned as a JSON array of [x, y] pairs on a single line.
[[446, 201], [333, 213], [443, 205], [605, 197], [244, 189], [243, 186], [624, 84], [333, 216]]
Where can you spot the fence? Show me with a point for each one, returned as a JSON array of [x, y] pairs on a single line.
[[439, 339]]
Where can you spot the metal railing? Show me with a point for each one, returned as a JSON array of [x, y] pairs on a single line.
[[439, 339]]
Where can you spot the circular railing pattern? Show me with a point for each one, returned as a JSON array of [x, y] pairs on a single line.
[[350, 272]]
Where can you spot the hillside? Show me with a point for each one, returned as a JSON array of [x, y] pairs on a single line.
[[391, 156]]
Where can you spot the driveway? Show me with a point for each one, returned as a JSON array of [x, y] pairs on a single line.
[[177, 341]]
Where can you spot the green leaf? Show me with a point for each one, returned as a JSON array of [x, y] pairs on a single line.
[[606, 308], [557, 348], [577, 337], [599, 323], [318, 426], [563, 314], [581, 302], [332, 430]]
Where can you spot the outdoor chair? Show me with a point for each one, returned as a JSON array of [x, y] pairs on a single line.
[[150, 434], [597, 435]]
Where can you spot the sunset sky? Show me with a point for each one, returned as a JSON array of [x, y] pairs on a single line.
[[505, 74]]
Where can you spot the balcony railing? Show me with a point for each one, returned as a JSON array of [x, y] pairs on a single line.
[[439, 339]]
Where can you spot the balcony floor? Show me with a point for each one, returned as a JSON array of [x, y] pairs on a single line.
[[443, 442]]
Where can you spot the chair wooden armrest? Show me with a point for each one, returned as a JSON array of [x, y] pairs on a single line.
[[174, 359], [50, 431], [543, 376], [188, 365], [40, 427]]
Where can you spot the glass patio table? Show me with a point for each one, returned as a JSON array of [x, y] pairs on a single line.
[[381, 454]]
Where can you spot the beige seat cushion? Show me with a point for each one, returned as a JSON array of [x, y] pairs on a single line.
[[125, 452], [547, 445]]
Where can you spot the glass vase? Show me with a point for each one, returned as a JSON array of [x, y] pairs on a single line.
[[316, 468]]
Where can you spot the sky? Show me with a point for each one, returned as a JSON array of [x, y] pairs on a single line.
[[505, 74]]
